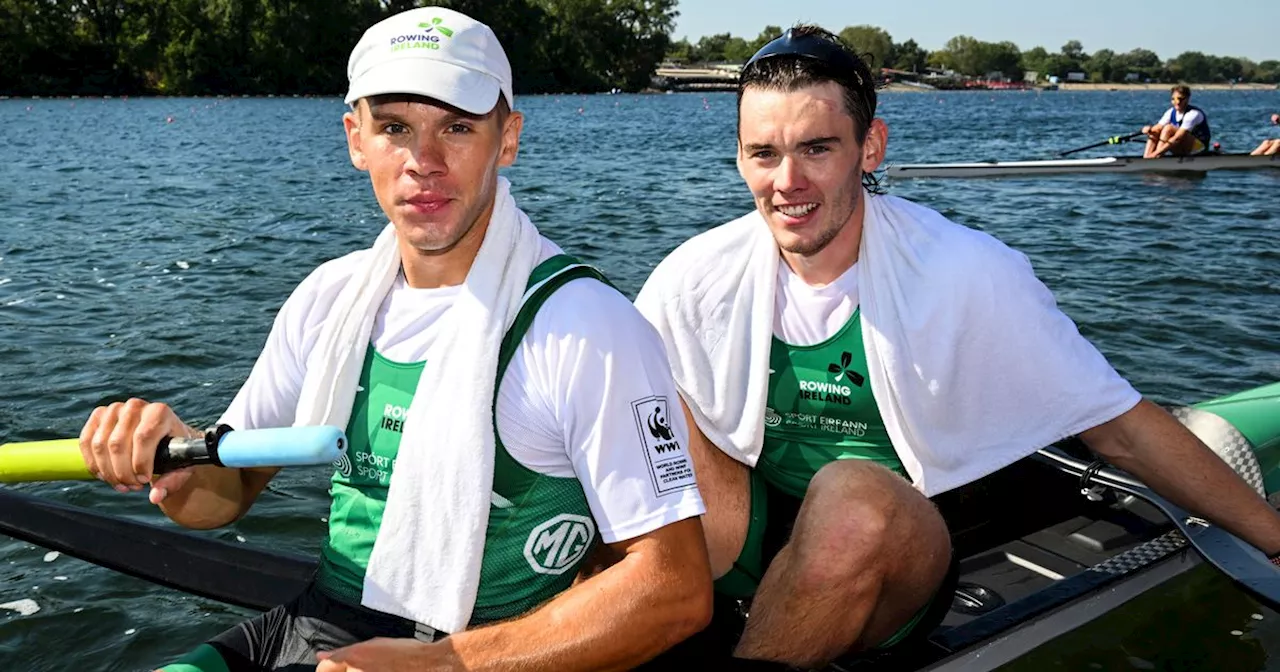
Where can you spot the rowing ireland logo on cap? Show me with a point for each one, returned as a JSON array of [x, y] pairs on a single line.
[[558, 544], [436, 23], [428, 38]]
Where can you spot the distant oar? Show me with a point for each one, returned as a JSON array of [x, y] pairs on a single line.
[[1233, 556], [1113, 140], [60, 460]]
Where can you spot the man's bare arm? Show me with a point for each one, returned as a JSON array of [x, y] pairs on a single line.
[[1152, 445], [658, 594]]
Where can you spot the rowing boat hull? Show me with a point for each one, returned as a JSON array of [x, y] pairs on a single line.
[[1028, 574], [1112, 164]]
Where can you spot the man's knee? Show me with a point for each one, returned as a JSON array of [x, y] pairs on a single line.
[[859, 518]]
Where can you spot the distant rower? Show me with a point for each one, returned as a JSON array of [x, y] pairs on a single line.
[[1269, 147], [1183, 130]]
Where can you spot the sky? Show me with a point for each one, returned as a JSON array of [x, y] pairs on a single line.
[[1247, 28]]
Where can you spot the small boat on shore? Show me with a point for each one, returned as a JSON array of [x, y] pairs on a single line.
[[1199, 163], [1046, 545]]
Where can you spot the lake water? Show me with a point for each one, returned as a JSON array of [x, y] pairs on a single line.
[[146, 244]]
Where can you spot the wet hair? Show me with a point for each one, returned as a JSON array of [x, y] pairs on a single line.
[[807, 55], [1183, 89]]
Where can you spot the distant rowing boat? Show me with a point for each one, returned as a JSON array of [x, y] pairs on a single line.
[[1111, 164]]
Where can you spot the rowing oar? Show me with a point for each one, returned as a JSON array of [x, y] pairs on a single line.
[[1113, 140], [60, 459], [1233, 556]]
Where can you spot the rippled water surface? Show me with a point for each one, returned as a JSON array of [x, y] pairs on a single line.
[[146, 244]]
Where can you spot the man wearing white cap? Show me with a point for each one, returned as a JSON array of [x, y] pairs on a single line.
[[507, 412]]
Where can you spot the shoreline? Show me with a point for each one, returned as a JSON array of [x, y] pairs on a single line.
[[893, 87]]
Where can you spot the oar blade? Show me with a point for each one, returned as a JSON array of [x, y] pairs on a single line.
[[1237, 559]]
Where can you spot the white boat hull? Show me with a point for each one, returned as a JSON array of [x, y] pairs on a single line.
[[1110, 164]]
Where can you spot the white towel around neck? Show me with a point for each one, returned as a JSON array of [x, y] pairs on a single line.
[[971, 363], [425, 564]]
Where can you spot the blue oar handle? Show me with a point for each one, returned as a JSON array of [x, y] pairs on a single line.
[[278, 447]]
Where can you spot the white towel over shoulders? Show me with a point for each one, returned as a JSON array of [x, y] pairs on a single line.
[[971, 363], [425, 564]]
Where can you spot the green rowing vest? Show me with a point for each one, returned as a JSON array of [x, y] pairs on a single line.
[[820, 410], [540, 527]]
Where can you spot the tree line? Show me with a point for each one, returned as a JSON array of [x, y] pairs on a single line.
[[974, 58], [205, 47]]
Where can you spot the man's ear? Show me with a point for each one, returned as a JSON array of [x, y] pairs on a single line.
[[738, 161], [873, 147], [510, 138], [351, 123]]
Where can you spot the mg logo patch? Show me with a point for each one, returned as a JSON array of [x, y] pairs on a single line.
[[554, 546]]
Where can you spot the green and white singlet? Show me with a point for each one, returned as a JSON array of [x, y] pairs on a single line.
[[820, 407], [819, 410], [591, 444], [540, 527]]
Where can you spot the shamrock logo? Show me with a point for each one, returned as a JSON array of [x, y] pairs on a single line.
[[435, 23], [842, 369]]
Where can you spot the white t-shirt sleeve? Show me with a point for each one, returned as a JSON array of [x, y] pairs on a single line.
[[269, 396], [1167, 117], [1191, 119], [598, 386]]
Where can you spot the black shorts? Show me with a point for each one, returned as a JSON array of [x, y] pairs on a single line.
[[288, 637]]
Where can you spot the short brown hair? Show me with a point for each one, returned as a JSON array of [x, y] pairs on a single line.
[[788, 72], [1183, 89]]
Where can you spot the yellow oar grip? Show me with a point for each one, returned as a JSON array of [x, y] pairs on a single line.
[[57, 460]]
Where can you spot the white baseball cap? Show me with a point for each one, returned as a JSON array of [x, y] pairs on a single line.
[[433, 52]]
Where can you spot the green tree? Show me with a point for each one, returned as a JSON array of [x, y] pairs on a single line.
[[1142, 62], [1227, 68], [1036, 60], [1074, 51], [961, 53], [737, 50], [1191, 66], [1003, 57], [643, 30], [1101, 66], [870, 41], [710, 48], [1269, 72], [909, 57], [769, 34], [679, 52]]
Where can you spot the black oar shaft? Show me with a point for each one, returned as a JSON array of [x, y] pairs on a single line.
[[1113, 140]]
